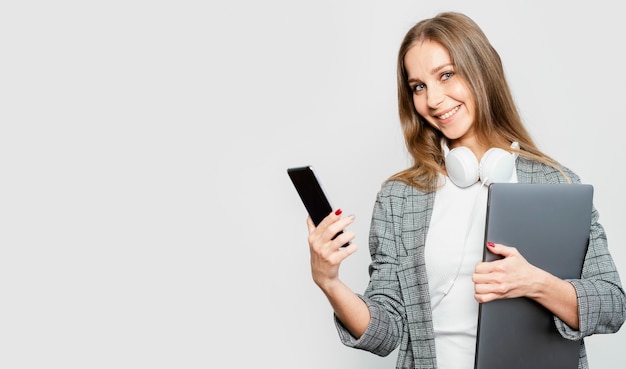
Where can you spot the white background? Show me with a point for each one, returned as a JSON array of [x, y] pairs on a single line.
[[146, 217]]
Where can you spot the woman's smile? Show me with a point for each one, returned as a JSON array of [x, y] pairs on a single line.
[[449, 113]]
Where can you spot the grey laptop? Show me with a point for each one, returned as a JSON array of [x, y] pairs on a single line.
[[549, 224]]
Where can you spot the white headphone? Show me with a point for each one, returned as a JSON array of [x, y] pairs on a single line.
[[464, 170]]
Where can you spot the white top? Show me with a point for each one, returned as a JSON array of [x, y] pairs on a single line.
[[454, 245]]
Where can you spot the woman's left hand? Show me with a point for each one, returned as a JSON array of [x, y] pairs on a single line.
[[513, 276], [509, 277]]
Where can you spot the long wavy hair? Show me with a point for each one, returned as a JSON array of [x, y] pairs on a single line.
[[497, 122]]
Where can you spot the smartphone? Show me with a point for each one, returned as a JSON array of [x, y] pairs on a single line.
[[311, 193]]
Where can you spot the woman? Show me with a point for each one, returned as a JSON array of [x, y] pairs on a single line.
[[463, 131]]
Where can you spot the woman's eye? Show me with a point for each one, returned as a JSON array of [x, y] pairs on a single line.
[[419, 87], [447, 75]]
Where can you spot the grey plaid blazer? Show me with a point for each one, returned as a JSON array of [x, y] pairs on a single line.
[[398, 294]]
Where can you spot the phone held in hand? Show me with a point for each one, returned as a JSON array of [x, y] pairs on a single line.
[[311, 193]]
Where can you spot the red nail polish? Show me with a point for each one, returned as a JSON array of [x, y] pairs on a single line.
[[338, 212], [491, 244]]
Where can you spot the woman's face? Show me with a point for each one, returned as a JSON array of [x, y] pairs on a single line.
[[440, 95]]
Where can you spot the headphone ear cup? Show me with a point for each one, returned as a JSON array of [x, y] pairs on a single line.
[[496, 165], [462, 167]]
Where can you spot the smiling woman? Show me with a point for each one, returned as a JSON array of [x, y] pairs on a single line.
[[426, 274]]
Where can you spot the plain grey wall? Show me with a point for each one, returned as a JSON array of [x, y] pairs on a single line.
[[146, 216]]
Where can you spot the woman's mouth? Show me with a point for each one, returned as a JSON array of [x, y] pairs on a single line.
[[448, 114]]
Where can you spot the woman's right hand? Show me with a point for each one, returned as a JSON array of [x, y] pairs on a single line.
[[326, 253]]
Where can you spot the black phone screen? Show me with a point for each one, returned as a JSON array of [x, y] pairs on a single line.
[[310, 192]]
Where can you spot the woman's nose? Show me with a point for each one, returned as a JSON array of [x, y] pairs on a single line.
[[435, 96]]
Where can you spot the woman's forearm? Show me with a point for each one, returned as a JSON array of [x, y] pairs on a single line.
[[558, 296], [349, 308]]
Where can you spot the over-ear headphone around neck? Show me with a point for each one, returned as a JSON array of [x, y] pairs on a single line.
[[464, 170]]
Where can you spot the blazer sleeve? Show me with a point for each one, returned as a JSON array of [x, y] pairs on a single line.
[[382, 296], [601, 299]]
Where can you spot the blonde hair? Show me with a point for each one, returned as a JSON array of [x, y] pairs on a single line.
[[497, 122]]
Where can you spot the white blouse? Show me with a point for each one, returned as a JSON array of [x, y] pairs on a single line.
[[454, 245]]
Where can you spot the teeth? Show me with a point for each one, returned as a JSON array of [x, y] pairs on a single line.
[[449, 114]]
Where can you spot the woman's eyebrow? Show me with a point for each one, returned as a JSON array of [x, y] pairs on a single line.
[[435, 70]]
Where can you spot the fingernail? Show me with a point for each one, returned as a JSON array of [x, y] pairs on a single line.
[[338, 212], [491, 244]]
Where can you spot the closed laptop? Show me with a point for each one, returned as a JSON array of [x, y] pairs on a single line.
[[549, 224]]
